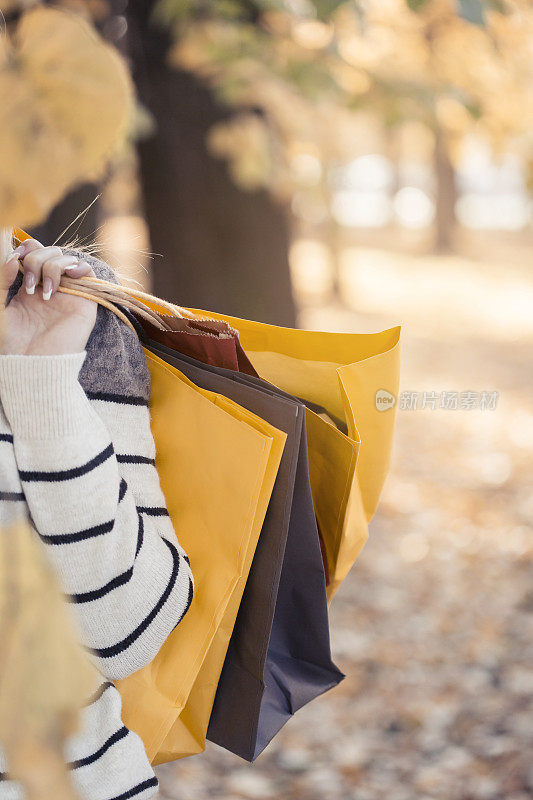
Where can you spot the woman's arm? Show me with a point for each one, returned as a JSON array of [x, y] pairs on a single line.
[[85, 466], [129, 583]]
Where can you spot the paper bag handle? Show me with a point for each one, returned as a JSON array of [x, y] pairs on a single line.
[[110, 295]]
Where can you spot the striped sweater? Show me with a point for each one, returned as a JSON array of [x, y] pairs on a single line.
[[77, 457]]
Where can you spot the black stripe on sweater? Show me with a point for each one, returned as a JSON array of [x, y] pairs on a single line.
[[140, 536], [79, 536], [12, 496], [29, 476], [119, 647], [188, 603], [84, 762], [6, 437], [123, 399], [136, 789], [114, 583], [153, 511], [97, 594], [99, 692], [122, 489], [127, 459], [88, 533]]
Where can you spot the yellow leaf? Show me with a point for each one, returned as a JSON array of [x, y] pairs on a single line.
[[66, 103], [45, 677]]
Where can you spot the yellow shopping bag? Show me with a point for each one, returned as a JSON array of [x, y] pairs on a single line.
[[217, 463], [354, 377]]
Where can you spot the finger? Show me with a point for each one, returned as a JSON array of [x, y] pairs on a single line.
[[8, 273], [52, 270], [33, 262], [8, 270], [80, 271], [24, 248], [51, 276], [27, 246]]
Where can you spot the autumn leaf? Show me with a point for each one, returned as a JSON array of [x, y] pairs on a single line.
[[67, 100], [45, 677]]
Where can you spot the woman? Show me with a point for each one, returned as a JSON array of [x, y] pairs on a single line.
[[77, 457]]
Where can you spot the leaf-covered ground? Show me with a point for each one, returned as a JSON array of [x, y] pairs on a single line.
[[434, 625]]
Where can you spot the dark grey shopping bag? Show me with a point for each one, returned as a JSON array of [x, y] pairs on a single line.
[[279, 657]]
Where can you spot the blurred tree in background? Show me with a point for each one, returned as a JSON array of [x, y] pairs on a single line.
[[223, 248], [312, 68], [278, 90]]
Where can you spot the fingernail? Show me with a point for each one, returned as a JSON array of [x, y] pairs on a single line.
[[19, 250], [47, 288], [29, 282]]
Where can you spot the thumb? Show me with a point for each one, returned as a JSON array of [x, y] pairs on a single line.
[[8, 273]]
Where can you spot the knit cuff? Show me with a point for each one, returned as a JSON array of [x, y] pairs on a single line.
[[41, 395]]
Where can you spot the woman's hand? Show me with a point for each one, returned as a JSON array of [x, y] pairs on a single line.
[[39, 320]]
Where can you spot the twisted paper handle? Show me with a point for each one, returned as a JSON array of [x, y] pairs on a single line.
[[111, 295]]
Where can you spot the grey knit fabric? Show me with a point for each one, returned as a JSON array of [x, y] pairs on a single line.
[[115, 360]]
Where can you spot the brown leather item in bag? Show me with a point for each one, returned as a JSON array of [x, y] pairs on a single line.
[[210, 341]]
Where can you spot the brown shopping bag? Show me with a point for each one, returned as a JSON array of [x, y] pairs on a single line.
[[207, 340]]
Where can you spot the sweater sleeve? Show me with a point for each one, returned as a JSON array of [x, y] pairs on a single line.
[[119, 562]]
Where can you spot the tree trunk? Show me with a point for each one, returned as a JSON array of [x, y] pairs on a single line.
[[222, 249], [446, 196]]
